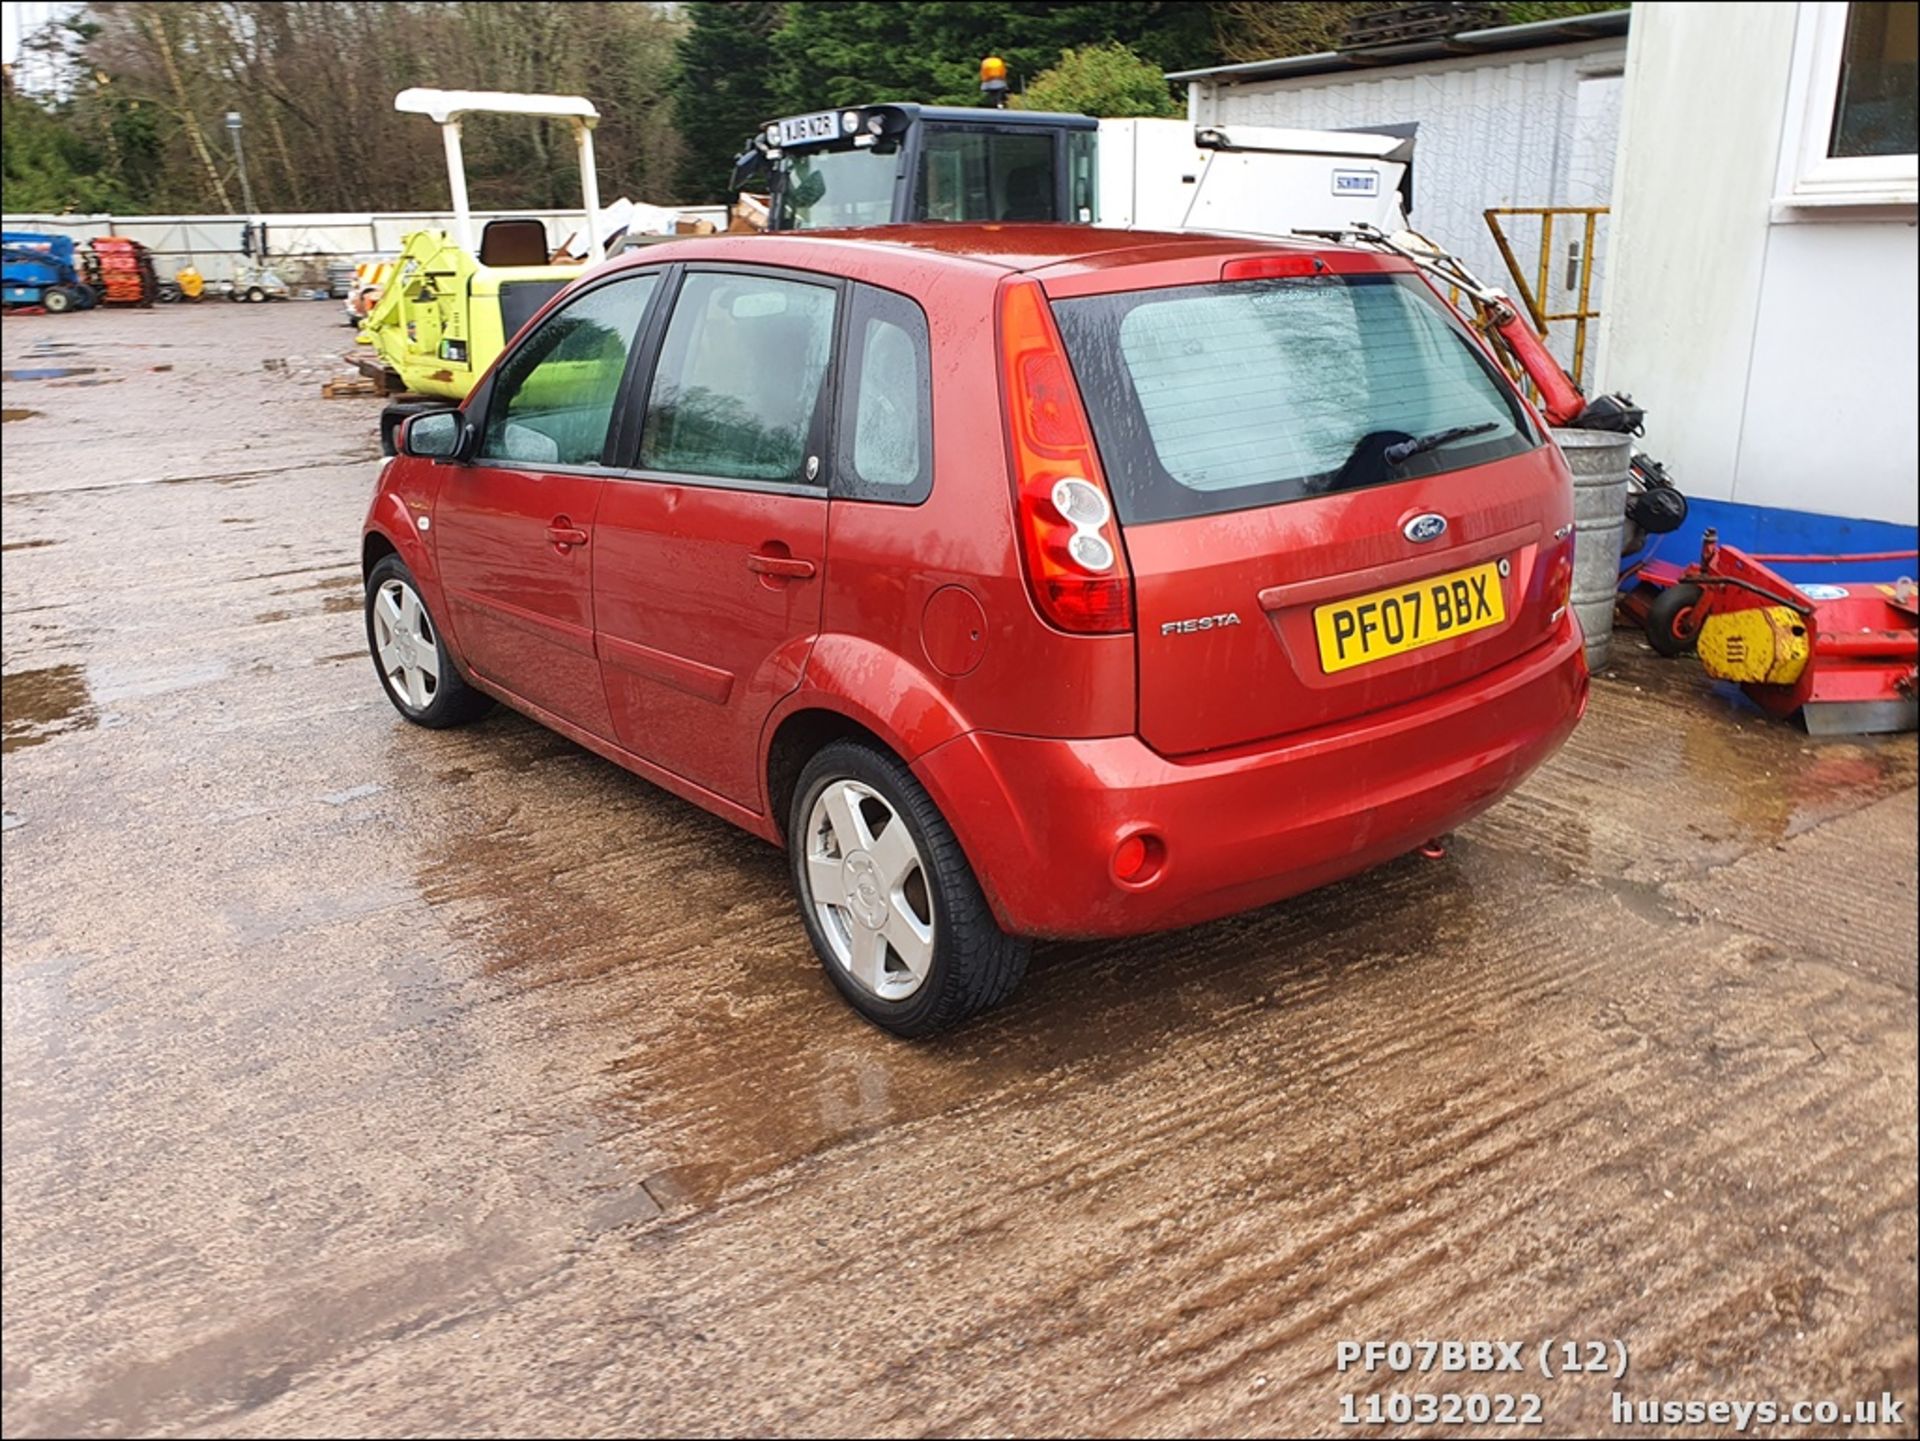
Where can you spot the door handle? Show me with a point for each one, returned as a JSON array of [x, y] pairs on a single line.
[[788, 567], [565, 535]]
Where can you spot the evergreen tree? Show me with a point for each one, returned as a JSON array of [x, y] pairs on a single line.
[[1105, 80], [722, 89], [867, 50]]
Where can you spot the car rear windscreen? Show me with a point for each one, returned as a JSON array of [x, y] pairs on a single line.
[[1209, 398]]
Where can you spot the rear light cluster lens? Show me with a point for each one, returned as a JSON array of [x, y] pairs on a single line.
[[1069, 538], [1085, 508], [1559, 586]]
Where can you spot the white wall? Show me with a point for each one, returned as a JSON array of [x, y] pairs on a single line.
[[1773, 346], [1531, 127], [300, 245], [1830, 422]]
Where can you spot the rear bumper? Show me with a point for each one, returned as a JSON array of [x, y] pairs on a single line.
[[1040, 819]]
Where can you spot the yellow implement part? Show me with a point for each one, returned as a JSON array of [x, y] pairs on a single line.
[[442, 317], [1765, 646]]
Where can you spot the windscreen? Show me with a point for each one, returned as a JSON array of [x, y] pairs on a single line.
[[826, 189], [1210, 398]]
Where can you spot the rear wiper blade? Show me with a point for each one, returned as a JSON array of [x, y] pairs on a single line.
[[1407, 449]]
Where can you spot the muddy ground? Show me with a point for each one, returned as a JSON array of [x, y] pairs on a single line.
[[359, 1078]]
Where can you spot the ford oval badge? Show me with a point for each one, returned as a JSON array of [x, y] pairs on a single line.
[[1425, 527]]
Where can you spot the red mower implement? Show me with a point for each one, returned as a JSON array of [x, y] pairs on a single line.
[[1842, 655]]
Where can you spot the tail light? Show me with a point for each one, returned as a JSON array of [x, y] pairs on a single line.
[[1069, 538], [1559, 582]]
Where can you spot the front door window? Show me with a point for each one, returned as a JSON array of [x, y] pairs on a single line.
[[554, 396]]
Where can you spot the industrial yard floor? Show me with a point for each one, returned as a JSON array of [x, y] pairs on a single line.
[[360, 1078]]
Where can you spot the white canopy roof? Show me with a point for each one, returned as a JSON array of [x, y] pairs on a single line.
[[445, 105]]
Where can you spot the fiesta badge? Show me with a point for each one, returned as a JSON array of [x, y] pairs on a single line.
[[1425, 527]]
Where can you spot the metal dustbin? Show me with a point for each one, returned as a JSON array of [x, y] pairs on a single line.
[[1600, 461]]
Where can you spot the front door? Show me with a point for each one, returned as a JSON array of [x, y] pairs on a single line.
[[514, 528], [710, 552]]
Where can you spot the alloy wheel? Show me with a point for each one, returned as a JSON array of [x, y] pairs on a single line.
[[868, 887], [403, 642]]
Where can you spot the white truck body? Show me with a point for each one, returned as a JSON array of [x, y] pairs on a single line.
[[1248, 179]]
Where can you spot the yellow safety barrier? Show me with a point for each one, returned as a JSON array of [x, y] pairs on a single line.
[[1536, 296]]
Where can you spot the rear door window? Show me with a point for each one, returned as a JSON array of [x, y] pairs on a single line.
[[554, 395], [886, 401], [736, 392], [1215, 398]]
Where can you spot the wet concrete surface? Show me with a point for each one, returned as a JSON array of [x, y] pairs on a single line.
[[359, 1078]]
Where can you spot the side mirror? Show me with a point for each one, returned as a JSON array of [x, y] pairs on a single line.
[[749, 163], [433, 435]]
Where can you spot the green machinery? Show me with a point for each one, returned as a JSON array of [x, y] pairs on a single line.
[[450, 304]]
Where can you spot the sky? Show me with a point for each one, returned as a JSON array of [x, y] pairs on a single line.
[[23, 17]]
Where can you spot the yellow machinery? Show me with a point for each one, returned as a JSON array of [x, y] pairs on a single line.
[[187, 284], [1768, 645], [449, 305]]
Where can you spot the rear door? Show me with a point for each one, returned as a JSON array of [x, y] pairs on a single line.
[[710, 547], [1294, 563], [513, 529]]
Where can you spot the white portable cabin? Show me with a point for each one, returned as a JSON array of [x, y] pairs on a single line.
[[1172, 175], [1512, 115]]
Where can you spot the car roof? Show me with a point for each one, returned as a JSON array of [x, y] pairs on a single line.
[[1046, 247]]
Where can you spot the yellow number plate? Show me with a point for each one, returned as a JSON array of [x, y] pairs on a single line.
[[1388, 622]]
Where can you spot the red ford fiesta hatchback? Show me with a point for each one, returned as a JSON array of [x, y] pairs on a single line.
[[1021, 581]]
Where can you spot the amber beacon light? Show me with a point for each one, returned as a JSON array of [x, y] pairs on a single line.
[[993, 80]]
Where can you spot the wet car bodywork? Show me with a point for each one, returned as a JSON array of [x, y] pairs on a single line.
[[1131, 777]]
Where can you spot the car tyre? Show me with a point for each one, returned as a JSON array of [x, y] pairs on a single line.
[[888, 898], [255, 295], [410, 656], [58, 300]]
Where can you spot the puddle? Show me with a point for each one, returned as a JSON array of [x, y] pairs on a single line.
[[14, 545], [349, 595], [37, 705], [76, 384], [14, 412], [50, 372]]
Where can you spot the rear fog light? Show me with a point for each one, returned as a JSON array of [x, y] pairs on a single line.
[[1138, 859]]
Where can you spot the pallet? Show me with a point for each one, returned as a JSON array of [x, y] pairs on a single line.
[[343, 387], [1414, 24]]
